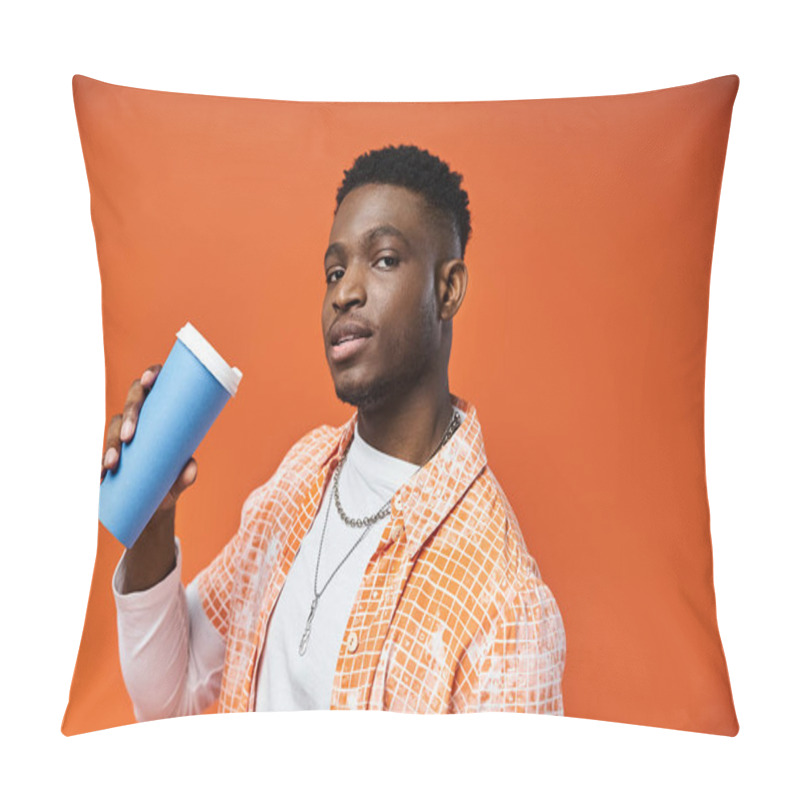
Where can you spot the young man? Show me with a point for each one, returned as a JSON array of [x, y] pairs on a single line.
[[381, 566]]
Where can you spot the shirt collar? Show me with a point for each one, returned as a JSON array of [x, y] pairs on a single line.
[[428, 496]]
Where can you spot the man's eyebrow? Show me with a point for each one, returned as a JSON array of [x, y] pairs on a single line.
[[334, 249], [337, 249], [385, 230]]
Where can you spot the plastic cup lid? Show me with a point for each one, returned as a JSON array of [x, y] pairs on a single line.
[[228, 376]]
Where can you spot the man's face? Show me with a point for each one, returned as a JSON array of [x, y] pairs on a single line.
[[379, 269]]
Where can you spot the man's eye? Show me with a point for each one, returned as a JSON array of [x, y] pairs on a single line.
[[329, 276], [392, 261]]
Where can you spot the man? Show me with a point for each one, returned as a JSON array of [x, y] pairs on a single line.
[[381, 566]]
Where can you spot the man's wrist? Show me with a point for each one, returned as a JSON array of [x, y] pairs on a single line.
[[152, 557]]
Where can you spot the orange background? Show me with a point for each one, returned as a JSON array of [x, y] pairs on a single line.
[[581, 342]]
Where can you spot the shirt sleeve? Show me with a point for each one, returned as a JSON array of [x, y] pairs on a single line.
[[519, 666], [171, 655]]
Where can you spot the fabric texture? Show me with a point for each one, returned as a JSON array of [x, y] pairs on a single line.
[[581, 340], [452, 613], [290, 681], [171, 656]]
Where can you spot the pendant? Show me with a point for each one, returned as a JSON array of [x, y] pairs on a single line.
[[307, 632]]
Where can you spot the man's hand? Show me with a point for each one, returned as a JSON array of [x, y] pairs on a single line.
[[152, 556]]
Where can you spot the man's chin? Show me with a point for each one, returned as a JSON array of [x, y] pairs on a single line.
[[363, 395]]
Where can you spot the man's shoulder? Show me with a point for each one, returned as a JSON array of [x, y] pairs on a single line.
[[479, 560], [302, 462], [313, 447], [485, 524], [488, 505]]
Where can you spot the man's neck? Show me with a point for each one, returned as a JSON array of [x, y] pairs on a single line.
[[410, 430]]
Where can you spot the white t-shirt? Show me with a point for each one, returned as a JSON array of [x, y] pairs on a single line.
[[287, 680], [171, 654]]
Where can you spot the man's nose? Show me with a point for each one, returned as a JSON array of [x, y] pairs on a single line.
[[350, 289]]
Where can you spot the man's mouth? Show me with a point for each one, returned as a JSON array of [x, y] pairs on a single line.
[[352, 336], [348, 346]]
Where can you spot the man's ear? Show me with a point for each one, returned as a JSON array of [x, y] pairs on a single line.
[[451, 287]]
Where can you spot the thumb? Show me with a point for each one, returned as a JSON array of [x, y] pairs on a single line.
[[186, 478]]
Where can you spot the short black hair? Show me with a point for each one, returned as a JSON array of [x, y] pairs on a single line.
[[416, 169]]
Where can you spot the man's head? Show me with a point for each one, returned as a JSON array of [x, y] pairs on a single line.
[[395, 275], [421, 172]]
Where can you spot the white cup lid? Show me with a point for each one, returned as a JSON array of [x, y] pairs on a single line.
[[228, 376]]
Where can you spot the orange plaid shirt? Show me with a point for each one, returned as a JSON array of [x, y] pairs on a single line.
[[451, 614]]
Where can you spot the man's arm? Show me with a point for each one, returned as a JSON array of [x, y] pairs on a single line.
[[170, 653], [152, 556], [172, 641]]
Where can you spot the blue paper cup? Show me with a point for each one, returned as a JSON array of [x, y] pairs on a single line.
[[191, 389]]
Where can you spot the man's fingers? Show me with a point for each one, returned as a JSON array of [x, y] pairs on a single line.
[[122, 426], [133, 403], [149, 376], [112, 444]]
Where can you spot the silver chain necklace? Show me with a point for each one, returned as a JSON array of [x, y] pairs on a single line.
[[386, 509], [368, 521]]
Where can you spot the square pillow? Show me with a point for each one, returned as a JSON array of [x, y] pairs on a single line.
[[581, 342]]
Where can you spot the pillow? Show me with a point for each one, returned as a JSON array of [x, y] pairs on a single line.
[[581, 342]]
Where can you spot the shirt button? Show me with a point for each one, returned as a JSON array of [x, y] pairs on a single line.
[[352, 643]]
